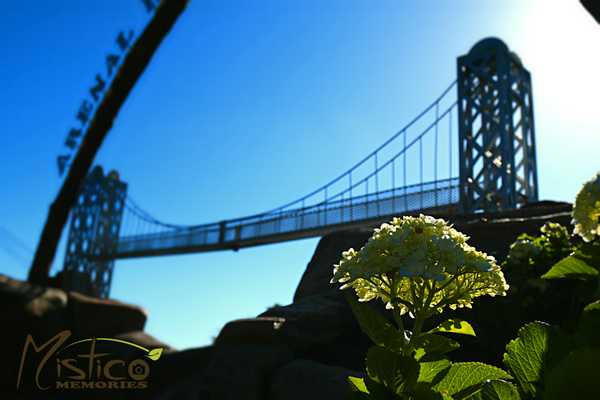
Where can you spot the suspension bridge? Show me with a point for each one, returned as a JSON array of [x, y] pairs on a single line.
[[472, 149]]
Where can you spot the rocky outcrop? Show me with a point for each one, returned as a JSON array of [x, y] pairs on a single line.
[[322, 328], [301, 350], [306, 379], [316, 276], [244, 371], [44, 310], [28, 309]]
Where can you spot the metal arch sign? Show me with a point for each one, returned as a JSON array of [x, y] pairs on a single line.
[[101, 81]]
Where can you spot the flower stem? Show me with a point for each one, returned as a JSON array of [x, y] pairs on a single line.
[[418, 324], [398, 319]]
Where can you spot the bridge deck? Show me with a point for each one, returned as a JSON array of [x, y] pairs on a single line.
[[317, 220]]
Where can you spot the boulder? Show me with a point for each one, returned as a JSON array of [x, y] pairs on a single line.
[[26, 310], [322, 328], [243, 371], [91, 316], [43, 312], [316, 276], [187, 388], [244, 355], [306, 379], [180, 374], [261, 330]]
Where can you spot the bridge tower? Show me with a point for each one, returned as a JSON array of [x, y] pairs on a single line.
[[94, 230], [496, 131]]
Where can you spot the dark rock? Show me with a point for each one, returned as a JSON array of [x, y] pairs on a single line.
[[188, 388], [179, 374], [42, 312], [318, 319], [26, 310], [305, 379], [103, 317], [243, 371], [261, 330], [322, 328], [316, 277]]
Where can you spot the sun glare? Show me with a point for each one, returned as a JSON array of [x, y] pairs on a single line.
[[561, 50]]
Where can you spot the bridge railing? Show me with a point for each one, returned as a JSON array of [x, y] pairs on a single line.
[[237, 232], [376, 187]]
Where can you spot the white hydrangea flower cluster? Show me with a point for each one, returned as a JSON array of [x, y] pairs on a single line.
[[586, 210], [523, 250], [413, 263], [553, 229]]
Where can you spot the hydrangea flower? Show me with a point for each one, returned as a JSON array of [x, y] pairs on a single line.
[[419, 265], [523, 250], [554, 229], [586, 210]]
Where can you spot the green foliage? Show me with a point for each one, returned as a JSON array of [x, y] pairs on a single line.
[[390, 376], [455, 326], [529, 257], [430, 346], [582, 264], [396, 372], [588, 332], [497, 390], [533, 353], [357, 384], [539, 252], [376, 327], [358, 388], [466, 378], [577, 376], [397, 368], [544, 362], [431, 371], [548, 363], [571, 267]]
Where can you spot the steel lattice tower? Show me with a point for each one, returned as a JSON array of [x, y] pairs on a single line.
[[496, 130], [94, 230]]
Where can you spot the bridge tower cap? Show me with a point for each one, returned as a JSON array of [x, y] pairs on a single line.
[[487, 44], [492, 44]]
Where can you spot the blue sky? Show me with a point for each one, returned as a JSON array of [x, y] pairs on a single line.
[[248, 105]]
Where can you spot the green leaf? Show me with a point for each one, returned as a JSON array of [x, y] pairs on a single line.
[[378, 390], [357, 384], [431, 371], [589, 326], [538, 347], [424, 392], [465, 376], [374, 325], [430, 346], [497, 390], [396, 372], [577, 376], [454, 326], [571, 267]]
